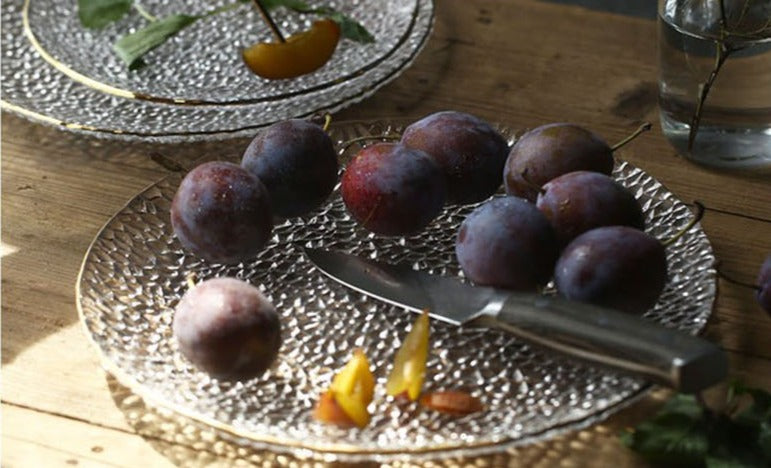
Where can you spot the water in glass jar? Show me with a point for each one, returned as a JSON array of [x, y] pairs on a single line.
[[734, 123]]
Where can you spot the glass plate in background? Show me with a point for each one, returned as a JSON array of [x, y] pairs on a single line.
[[135, 273], [202, 63], [34, 88]]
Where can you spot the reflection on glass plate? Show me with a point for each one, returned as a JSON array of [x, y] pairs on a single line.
[[135, 272], [57, 72]]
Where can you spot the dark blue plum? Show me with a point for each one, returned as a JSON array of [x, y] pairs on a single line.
[[764, 285], [296, 161], [221, 213], [393, 190], [614, 266], [549, 151], [227, 328], [470, 152], [579, 201], [507, 243]]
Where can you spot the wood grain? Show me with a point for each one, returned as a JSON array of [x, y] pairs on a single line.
[[521, 63]]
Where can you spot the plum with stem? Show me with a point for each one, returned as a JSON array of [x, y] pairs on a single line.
[[551, 150]]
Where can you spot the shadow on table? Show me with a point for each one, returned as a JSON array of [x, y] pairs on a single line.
[[58, 189], [192, 444]]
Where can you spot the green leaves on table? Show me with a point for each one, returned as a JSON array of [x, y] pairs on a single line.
[[96, 14], [686, 433], [131, 48]]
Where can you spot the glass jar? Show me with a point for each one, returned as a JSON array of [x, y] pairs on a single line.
[[715, 81]]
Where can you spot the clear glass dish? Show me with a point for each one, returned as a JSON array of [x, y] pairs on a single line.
[[56, 72], [135, 272]]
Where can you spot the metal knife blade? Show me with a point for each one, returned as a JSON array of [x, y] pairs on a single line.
[[601, 336], [445, 298]]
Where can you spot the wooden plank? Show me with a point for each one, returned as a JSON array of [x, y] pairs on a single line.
[[74, 383], [43, 440]]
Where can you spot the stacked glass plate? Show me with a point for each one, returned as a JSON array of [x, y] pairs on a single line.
[[195, 86]]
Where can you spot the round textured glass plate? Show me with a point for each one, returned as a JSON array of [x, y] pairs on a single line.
[[202, 63], [135, 273], [222, 102]]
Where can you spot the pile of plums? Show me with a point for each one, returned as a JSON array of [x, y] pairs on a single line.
[[224, 213], [565, 218], [446, 157]]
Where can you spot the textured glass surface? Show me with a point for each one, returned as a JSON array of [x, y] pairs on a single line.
[[34, 88], [204, 61], [135, 272]]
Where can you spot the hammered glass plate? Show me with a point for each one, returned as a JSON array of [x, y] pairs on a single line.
[[203, 62], [47, 75], [135, 273]]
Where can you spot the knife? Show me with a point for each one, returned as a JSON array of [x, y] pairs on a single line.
[[595, 334]]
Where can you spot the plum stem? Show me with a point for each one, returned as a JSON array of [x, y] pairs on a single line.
[[327, 121], [385, 137], [641, 129], [144, 13], [696, 218], [269, 21]]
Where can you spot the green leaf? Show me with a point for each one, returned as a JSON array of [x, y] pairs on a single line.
[[686, 405], [685, 433], [351, 29], [99, 13], [764, 440], [132, 47], [733, 445], [731, 461], [675, 435], [297, 5]]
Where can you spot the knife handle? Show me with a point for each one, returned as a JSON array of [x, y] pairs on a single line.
[[613, 339]]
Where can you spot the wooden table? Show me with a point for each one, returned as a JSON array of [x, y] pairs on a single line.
[[523, 63]]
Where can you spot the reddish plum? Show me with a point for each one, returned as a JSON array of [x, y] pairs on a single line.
[[296, 161], [221, 212], [579, 201], [227, 328], [393, 190], [613, 266], [507, 243], [470, 152]]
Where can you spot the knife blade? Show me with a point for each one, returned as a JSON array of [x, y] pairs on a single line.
[[597, 335]]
